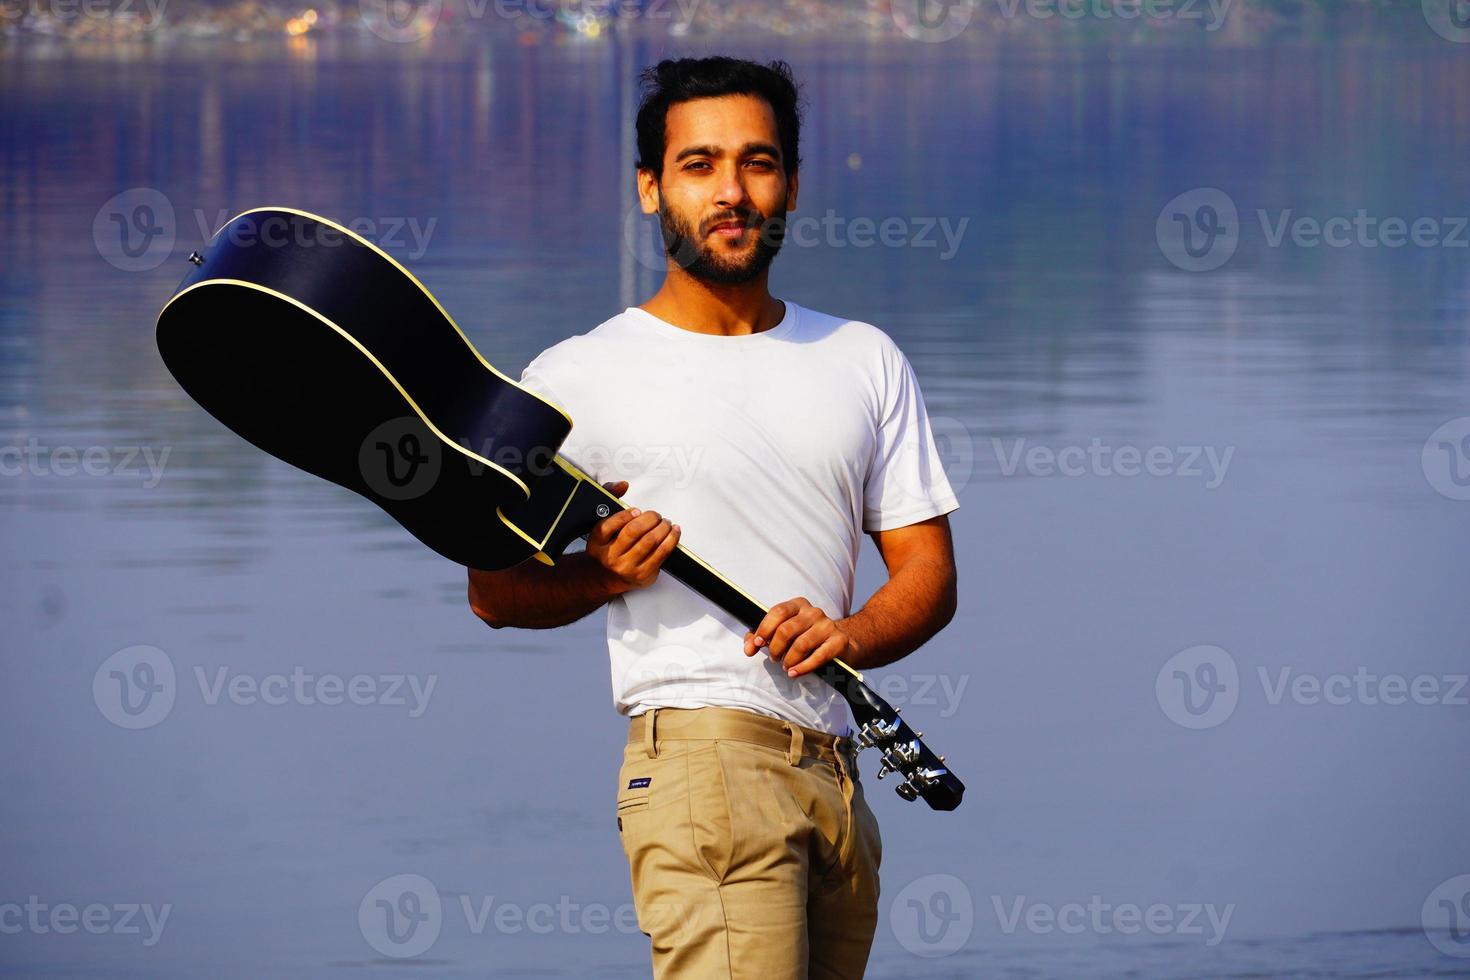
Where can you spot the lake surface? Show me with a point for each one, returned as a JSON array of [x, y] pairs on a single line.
[[1204, 683]]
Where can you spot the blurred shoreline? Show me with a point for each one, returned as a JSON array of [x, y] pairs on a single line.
[[415, 23]]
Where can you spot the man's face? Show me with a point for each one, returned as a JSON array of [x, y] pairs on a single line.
[[724, 195]]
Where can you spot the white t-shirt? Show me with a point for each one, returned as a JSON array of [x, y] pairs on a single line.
[[773, 452]]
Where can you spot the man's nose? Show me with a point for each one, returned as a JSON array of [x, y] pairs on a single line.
[[731, 192]]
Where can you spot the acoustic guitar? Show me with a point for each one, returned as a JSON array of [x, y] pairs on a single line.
[[318, 347]]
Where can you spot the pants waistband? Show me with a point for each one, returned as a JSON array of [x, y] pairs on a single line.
[[656, 725]]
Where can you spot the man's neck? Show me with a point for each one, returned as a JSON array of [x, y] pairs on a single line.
[[714, 309]]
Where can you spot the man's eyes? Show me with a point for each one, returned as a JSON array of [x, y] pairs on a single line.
[[762, 164]]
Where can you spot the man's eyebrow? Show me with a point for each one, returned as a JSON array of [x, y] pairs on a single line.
[[749, 149]]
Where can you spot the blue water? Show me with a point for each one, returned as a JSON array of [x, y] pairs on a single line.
[[1327, 541]]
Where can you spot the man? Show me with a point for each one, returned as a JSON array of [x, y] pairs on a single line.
[[774, 434]]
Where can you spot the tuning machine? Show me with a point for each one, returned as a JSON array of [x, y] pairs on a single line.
[[877, 732], [919, 781]]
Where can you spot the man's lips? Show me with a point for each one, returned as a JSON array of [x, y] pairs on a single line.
[[729, 229]]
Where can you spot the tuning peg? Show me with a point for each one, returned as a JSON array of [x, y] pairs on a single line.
[[941, 758], [918, 734]]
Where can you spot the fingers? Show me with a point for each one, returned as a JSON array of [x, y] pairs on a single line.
[[609, 528], [833, 646], [642, 548], [765, 634], [633, 544]]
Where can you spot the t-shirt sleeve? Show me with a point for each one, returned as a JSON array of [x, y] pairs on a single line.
[[535, 377], [906, 482], [542, 376]]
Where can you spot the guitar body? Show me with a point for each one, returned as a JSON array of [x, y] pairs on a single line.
[[322, 351], [318, 348]]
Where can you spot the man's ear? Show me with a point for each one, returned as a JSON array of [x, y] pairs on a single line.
[[791, 191], [648, 192]]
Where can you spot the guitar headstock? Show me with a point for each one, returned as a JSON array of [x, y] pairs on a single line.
[[901, 749]]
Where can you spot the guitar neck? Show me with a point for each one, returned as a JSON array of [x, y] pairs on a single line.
[[579, 502]]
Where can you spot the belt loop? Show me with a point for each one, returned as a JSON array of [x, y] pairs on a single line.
[[649, 745], [793, 755]]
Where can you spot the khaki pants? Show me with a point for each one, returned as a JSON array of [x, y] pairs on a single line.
[[751, 849]]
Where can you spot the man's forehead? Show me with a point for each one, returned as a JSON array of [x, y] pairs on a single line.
[[726, 123]]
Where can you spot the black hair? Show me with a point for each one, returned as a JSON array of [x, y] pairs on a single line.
[[672, 81]]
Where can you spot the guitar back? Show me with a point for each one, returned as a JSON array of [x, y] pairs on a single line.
[[317, 347]]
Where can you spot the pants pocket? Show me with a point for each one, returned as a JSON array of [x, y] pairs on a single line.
[[711, 827]]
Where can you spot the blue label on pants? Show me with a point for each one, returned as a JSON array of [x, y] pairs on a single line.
[[640, 782]]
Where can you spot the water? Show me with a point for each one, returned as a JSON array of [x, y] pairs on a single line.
[[1316, 542]]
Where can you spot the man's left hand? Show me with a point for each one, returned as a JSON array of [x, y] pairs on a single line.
[[800, 636]]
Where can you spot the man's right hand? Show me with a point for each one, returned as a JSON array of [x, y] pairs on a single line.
[[631, 544]]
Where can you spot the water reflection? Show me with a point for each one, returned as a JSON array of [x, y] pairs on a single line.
[[501, 174]]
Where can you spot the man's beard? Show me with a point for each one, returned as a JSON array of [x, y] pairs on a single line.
[[689, 249]]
